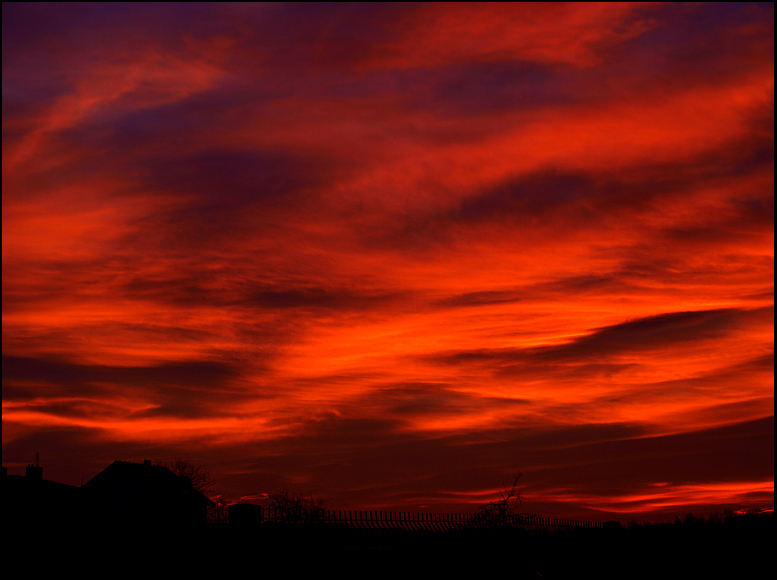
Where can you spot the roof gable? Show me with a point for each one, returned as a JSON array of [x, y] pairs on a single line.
[[144, 481]]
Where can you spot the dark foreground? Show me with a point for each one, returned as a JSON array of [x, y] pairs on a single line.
[[735, 547]]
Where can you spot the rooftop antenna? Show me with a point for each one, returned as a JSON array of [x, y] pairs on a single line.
[[37, 459]]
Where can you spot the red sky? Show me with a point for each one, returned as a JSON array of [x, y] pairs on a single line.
[[393, 255]]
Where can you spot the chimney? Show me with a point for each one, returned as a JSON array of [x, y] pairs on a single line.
[[34, 472]]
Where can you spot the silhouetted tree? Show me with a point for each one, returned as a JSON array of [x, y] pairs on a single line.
[[294, 507], [501, 512], [202, 481], [199, 477]]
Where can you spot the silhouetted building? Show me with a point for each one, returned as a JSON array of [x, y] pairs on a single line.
[[34, 501], [143, 494], [127, 494]]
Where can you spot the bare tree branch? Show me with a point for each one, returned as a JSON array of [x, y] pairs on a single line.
[[500, 513], [199, 477]]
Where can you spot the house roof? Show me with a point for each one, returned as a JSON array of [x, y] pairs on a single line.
[[18, 486], [144, 480]]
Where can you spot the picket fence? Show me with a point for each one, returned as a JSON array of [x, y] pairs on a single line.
[[392, 520]]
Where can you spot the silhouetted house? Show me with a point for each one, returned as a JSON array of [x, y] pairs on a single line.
[[142, 494], [33, 501]]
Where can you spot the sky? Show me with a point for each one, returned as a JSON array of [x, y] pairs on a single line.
[[395, 254]]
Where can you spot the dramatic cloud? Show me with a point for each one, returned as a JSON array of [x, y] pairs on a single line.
[[395, 254]]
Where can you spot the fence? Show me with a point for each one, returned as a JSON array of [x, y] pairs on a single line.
[[391, 520]]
